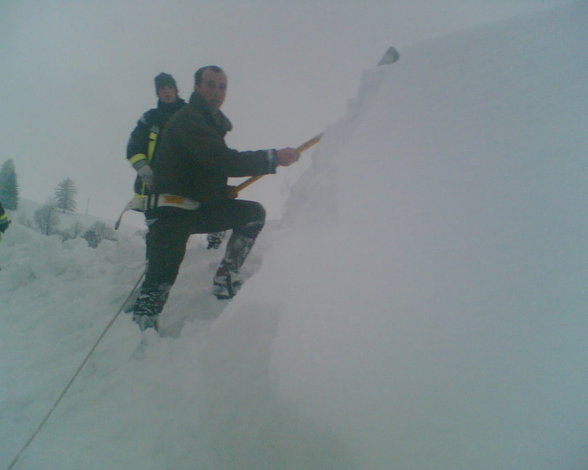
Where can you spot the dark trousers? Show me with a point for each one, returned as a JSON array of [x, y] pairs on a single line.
[[168, 235]]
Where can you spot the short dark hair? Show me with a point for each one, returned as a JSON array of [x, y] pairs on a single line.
[[201, 70]]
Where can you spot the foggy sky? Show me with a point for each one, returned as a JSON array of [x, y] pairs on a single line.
[[77, 75]]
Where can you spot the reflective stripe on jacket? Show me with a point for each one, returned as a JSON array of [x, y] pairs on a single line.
[[144, 137]]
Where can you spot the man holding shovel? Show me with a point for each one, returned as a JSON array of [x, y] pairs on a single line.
[[191, 167]]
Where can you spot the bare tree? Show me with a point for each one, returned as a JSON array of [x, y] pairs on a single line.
[[73, 231], [47, 219], [98, 232]]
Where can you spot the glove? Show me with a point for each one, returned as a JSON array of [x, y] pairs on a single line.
[[146, 174]]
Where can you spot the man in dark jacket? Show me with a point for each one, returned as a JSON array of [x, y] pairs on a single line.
[[191, 168], [144, 137]]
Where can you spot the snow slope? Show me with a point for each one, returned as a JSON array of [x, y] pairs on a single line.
[[420, 306]]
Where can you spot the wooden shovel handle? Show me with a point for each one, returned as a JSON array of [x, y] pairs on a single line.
[[301, 148]]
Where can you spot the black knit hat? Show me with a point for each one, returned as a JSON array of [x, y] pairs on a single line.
[[164, 79]]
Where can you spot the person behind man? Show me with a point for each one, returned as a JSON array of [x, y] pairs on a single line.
[[144, 137], [191, 168]]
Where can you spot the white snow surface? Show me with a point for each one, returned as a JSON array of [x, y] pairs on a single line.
[[421, 305]]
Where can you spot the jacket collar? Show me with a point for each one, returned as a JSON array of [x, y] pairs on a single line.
[[171, 107], [216, 117]]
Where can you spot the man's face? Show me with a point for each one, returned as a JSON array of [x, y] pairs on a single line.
[[213, 88], [167, 94]]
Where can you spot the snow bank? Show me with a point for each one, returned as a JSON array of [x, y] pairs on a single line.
[[425, 305]]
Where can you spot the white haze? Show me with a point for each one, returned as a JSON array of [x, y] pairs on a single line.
[[420, 306], [76, 76]]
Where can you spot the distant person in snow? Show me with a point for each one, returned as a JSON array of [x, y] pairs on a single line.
[[144, 139], [191, 168], [4, 220]]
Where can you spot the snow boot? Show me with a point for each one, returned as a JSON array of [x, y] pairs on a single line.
[[148, 306], [146, 321], [227, 281], [225, 284], [129, 305]]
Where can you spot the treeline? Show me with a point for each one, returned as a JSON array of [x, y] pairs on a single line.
[[46, 218]]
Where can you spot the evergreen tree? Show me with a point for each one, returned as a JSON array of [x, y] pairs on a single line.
[[8, 186], [65, 195], [47, 219]]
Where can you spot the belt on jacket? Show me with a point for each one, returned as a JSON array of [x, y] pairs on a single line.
[[142, 203], [169, 200]]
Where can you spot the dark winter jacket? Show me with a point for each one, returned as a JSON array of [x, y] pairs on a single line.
[[192, 159], [144, 138], [4, 221]]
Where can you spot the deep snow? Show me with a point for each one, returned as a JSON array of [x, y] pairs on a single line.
[[420, 306]]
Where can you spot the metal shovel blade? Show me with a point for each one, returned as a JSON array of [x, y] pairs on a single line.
[[389, 57]]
